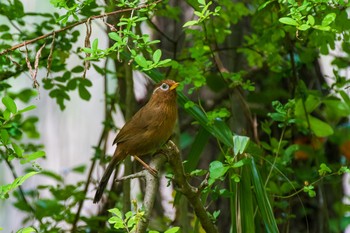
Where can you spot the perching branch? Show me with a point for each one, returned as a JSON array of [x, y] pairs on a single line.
[[171, 153], [191, 193], [152, 186], [76, 24]]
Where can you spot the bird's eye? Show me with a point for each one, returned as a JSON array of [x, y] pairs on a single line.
[[164, 87]]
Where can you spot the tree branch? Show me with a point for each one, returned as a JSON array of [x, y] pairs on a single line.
[[152, 186], [191, 193], [76, 24]]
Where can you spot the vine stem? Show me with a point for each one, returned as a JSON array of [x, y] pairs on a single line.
[[76, 24]]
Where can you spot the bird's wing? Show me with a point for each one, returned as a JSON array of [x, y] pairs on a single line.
[[136, 125]]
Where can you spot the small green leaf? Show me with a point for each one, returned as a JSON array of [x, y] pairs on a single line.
[[324, 169], [190, 23], [79, 169], [240, 144], [85, 82], [328, 19], [9, 104], [288, 21], [198, 172], [141, 61], [5, 137], [33, 156], [17, 182], [202, 2], [172, 230], [303, 27], [7, 115], [27, 230], [311, 20], [84, 93], [320, 128], [18, 150], [216, 171], [95, 45], [115, 36], [343, 170], [78, 69], [26, 109], [322, 28], [157, 55], [240, 163]]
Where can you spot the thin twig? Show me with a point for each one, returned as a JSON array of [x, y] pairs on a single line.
[[49, 59], [76, 24], [87, 45]]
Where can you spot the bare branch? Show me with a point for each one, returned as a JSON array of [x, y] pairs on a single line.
[[76, 24], [152, 186], [87, 45], [49, 59]]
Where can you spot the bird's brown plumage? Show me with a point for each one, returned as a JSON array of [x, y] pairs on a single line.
[[146, 131]]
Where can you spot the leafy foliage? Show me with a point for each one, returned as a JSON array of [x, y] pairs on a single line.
[[251, 88]]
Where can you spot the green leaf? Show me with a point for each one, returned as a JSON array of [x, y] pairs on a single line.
[[95, 45], [216, 170], [115, 36], [9, 104], [324, 169], [240, 144], [345, 97], [320, 128], [79, 169], [85, 82], [322, 28], [172, 230], [78, 69], [190, 23], [18, 150], [198, 145], [157, 55], [5, 189], [33, 156], [7, 115], [26, 109], [246, 201], [141, 61], [84, 93], [5, 137], [262, 200], [303, 27], [26, 230], [288, 21], [328, 19], [311, 20]]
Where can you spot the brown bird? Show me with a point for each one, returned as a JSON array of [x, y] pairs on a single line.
[[146, 132]]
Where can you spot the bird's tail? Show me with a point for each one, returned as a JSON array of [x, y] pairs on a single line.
[[104, 180]]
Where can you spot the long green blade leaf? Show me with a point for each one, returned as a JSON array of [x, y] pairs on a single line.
[[263, 200]]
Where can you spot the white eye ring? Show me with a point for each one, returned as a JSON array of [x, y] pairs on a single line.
[[164, 87]]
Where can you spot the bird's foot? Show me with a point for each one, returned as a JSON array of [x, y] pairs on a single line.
[[153, 171]]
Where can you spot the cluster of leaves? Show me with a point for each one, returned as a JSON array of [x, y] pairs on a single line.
[[12, 127], [272, 62], [130, 220]]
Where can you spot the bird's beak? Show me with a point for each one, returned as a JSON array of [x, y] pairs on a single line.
[[174, 86]]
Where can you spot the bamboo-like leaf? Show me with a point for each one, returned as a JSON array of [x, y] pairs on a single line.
[[198, 145], [246, 201], [262, 200]]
